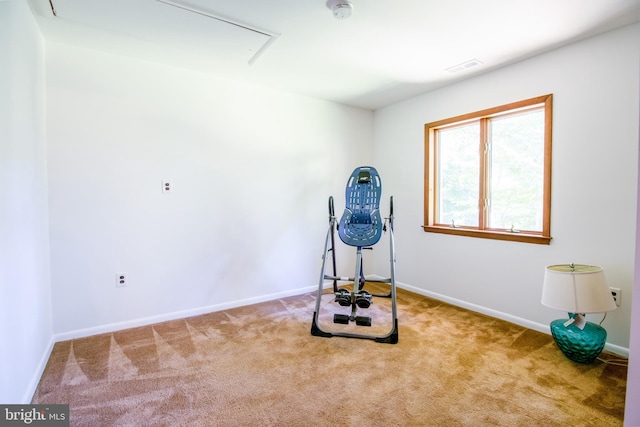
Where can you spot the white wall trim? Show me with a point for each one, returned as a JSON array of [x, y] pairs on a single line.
[[134, 323], [621, 351], [37, 374], [616, 349], [81, 333]]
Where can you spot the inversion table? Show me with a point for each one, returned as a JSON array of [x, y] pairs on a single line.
[[361, 227]]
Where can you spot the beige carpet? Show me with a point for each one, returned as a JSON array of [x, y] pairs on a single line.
[[260, 366]]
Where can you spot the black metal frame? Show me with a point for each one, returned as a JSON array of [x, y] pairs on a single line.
[[358, 298]]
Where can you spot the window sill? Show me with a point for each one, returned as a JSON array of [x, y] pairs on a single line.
[[490, 234]]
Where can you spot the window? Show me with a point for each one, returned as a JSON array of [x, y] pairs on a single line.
[[488, 173]]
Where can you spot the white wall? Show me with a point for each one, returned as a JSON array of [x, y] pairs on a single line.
[[594, 181], [252, 169], [632, 410], [25, 297]]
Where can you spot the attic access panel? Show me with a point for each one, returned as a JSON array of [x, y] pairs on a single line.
[[171, 25], [220, 33]]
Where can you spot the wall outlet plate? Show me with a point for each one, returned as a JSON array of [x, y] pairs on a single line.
[[121, 280], [617, 295]]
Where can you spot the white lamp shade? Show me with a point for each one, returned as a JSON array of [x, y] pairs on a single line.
[[577, 289]]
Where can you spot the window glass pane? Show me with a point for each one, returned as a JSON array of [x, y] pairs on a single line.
[[516, 180], [458, 175]]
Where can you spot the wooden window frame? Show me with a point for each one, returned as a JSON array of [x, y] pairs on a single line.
[[483, 116]]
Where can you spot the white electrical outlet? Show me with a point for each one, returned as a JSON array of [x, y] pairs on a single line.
[[167, 186], [616, 294], [121, 280]]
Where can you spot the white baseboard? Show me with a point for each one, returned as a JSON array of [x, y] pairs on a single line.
[[80, 333], [112, 327], [478, 308], [35, 380], [616, 349], [134, 323], [544, 328]]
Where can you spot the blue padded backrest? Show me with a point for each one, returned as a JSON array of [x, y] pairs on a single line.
[[361, 224]]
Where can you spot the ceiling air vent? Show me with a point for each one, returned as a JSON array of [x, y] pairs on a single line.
[[464, 66]]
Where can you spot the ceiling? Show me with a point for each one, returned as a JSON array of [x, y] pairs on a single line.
[[385, 52]]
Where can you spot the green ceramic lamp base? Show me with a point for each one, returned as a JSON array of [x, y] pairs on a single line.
[[579, 345]]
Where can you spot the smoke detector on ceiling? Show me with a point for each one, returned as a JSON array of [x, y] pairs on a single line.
[[341, 9]]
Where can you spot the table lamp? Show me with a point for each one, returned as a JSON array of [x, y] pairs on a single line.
[[577, 289]]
